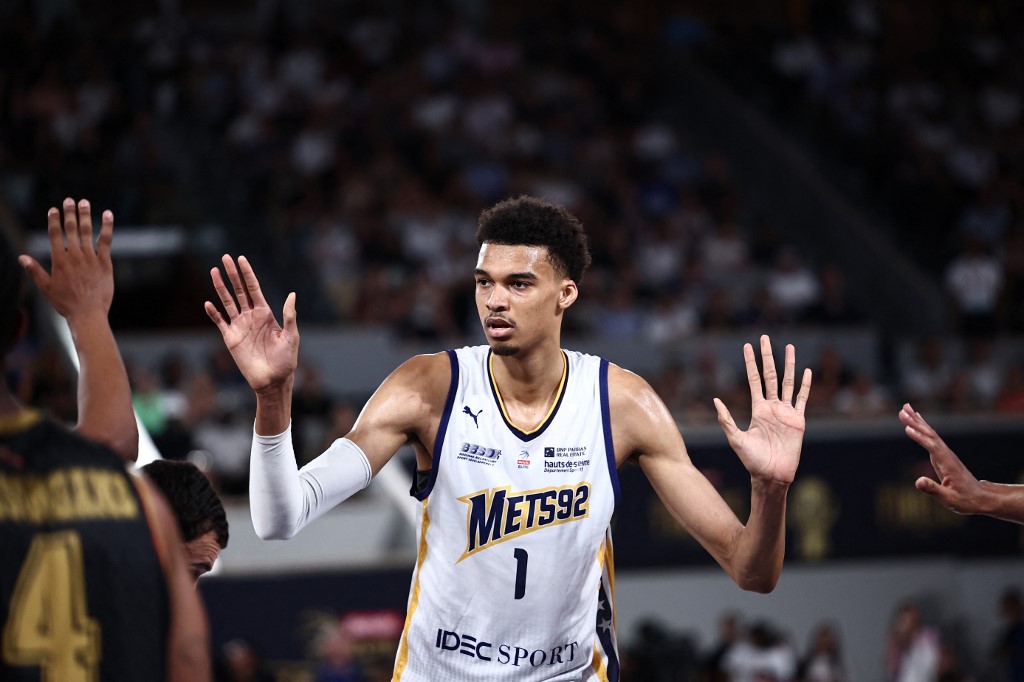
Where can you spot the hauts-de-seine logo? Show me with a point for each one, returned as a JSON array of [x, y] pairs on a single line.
[[566, 459]]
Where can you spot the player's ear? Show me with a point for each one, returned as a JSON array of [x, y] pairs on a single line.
[[568, 295]]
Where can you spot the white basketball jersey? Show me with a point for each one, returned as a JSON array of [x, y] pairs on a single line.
[[514, 575]]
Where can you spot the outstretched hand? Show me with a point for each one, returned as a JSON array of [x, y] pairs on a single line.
[[770, 447], [957, 488], [265, 352], [81, 278]]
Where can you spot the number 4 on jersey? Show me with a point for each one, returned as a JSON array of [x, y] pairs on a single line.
[[48, 624]]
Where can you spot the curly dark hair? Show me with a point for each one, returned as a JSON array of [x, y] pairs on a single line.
[[13, 294], [534, 222], [193, 500]]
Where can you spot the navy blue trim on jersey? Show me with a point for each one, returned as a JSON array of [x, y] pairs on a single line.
[[606, 420], [522, 435], [442, 428], [605, 635]]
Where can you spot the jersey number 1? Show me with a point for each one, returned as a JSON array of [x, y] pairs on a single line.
[[521, 558], [48, 624]]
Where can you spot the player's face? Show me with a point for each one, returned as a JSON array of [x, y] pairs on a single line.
[[520, 296], [201, 552]]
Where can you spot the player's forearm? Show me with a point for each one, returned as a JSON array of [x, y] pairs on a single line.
[[105, 410], [283, 499], [761, 546], [274, 409], [1000, 500]]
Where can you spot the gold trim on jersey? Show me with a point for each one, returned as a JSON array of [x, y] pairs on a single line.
[[402, 659], [19, 421], [551, 409]]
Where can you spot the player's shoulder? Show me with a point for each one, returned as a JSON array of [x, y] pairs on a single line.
[[629, 394], [426, 373], [624, 383]]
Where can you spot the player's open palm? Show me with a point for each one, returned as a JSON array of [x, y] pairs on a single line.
[[265, 352], [770, 447]]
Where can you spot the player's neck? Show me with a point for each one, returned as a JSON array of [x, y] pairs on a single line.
[[529, 378]]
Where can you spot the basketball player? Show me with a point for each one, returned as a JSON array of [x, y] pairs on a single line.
[[517, 445], [197, 508], [957, 489], [92, 582]]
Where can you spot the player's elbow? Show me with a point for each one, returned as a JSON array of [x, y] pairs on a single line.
[[265, 531], [762, 584], [125, 445]]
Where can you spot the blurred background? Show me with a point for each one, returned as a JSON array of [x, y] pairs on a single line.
[[841, 174]]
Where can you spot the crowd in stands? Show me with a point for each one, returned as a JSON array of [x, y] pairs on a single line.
[[918, 109], [348, 150], [918, 646]]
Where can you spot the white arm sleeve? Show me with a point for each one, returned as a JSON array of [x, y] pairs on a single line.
[[283, 499]]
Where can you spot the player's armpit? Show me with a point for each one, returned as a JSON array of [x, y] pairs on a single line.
[[407, 406]]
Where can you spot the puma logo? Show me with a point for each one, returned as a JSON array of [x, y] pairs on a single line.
[[466, 410]]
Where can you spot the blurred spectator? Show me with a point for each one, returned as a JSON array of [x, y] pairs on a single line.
[[831, 375], [984, 373], [926, 379], [1011, 396], [762, 655], [336, 661], [311, 413], [657, 655], [833, 308], [974, 280], [239, 661], [863, 398], [913, 649], [792, 285], [823, 661], [730, 633], [1008, 649]]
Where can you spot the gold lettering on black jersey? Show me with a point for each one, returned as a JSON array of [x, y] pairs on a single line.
[[496, 514], [66, 495]]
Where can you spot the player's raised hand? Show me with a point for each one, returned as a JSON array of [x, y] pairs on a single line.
[[770, 447], [957, 488], [81, 277], [265, 352]]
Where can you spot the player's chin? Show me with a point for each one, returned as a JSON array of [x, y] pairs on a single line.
[[501, 348]]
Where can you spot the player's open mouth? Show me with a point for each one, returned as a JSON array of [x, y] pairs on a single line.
[[497, 327]]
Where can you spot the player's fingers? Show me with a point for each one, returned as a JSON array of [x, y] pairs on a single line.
[[236, 282], [805, 391], [54, 232], [753, 376], [789, 374], [85, 225], [106, 234], [35, 271], [290, 315], [223, 294], [71, 236], [252, 285], [727, 422], [218, 319], [927, 486], [916, 435], [771, 377]]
